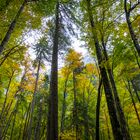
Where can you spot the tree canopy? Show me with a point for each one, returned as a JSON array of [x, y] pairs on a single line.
[[69, 70]]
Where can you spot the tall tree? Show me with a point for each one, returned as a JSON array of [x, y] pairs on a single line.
[[52, 128], [108, 91]]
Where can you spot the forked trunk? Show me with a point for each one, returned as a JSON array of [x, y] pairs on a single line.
[[108, 91]]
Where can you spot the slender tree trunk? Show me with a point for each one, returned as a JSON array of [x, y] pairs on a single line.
[[33, 100], [75, 115], [120, 112], [137, 114], [7, 124], [42, 134], [132, 33], [6, 95], [6, 55], [24, 136], [52, 130], [11, 27], [135, 90], [38, 126], [85, 116], [108, 131], [98, 111], [20, 131], [64, 106], [6, 127], [7, 108], [137, 58], [108, 92], [14, 119], [4, 104]]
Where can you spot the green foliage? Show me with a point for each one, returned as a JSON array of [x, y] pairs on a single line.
[[18, 68]]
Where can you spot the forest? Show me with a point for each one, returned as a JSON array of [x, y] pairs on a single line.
[[69, 69]]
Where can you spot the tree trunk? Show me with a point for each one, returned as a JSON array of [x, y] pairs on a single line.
[[132, 33], [7, 124], [108, 131], [64, 106], [120, 112], [137, 114], [27, 117], [135, 90], [6, 95], [98, 111], [4, 105], [38, 126], [33, 100], [75, 115], [14, 119], [108, 92], [11, 27], [52, 130], [85, 117]]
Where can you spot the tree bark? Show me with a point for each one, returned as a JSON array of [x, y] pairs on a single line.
[[52, 130]]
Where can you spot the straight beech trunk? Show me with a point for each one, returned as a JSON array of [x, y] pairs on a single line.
[[85, 117], [64, 106], [52, 128], [11, 27], [38, 126], [108, 92], [137, 58], [135, 90], [132, 33], [75, 115], [98, 111], [33, 100], [120, 112], [108, 131], [14, 120], [27, 117], [131, 95]]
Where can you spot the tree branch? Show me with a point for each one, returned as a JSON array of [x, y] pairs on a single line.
[[134, 6]]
